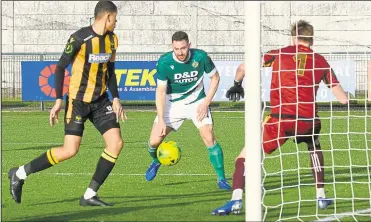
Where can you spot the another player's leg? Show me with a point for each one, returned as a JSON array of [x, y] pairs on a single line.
[[154, 141], [104, 167], [107, 125], [235, 204], [214, 149], [316, 161], [239, 176], [48, 159], [317, 165], [74, 112]]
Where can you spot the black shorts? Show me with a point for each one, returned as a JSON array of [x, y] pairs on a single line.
[[99, 112]]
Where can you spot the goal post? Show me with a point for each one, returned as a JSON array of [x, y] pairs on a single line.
[[253, 112]]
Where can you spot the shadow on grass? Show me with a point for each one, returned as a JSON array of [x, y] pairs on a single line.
[[136, 198], [45, 148], [95, 212]]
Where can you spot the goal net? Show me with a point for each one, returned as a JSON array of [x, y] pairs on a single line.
[[341, 36]]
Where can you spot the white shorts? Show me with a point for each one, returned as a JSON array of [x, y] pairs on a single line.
[[176, 113]]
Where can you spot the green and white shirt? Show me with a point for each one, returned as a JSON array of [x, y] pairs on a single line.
[[184, 79]]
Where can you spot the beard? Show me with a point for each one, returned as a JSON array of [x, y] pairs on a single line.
[[182, 57]]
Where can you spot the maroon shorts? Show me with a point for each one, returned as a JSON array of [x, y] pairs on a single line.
[[277, 131]]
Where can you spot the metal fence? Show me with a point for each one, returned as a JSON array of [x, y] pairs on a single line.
[[11, 84]]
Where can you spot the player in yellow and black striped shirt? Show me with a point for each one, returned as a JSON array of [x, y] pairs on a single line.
[[90, 54], [91, 51]]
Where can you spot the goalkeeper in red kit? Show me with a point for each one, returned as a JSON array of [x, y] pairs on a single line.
[[296, 74]]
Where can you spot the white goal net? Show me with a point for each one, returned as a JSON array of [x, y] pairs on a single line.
[[289, 190]]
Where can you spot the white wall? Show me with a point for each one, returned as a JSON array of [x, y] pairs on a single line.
[[146, 26]]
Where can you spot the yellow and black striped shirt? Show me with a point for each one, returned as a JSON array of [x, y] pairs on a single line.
[[89, 55]]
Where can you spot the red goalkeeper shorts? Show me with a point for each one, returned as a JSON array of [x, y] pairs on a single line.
[[277, 131]]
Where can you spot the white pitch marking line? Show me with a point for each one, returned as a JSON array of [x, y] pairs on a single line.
[[339, 216], [60, 143], [127, 174]]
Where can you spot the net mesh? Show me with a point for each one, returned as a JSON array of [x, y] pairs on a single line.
[[289, 188]]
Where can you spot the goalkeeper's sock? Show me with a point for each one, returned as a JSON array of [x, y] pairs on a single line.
[[237, 194], [104, 167], [153, 153], [320, 192], [239, 174], [216, 159], [317, 163], [40, 163]]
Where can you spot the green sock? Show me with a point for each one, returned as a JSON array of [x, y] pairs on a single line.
[[153, 153], [216, 159]]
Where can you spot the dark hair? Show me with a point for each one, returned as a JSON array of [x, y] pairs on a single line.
[[179, 36], [304, 30], [104, 6]]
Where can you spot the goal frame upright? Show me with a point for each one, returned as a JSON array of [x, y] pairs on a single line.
[[253, 128]]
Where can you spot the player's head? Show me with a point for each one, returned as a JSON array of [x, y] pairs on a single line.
[[302, 32], [181, 45], [106, 11]]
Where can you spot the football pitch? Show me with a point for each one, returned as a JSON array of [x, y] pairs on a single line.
[[187, 191]]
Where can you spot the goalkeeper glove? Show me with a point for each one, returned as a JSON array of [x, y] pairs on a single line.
[[235, 92]]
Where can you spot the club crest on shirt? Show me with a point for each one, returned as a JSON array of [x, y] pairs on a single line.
[[195, 64]]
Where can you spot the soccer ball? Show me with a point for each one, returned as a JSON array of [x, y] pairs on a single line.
[[168, 153]]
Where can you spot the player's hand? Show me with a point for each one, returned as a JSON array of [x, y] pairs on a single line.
[[161, 127], [202, 110], [117, 108], [235, 92], [55, 111]]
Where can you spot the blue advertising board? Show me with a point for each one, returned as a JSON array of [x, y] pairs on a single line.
[[137, 80]]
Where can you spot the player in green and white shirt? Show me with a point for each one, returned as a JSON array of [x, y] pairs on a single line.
[[184, 79], [180, 96]]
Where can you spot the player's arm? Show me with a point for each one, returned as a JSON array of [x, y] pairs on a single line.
[[162, 82], [112, 80], [237, 91], [214, 76], [69, 53], [160, 100], [210, 70], [240, 73], [112, 84], [330, 79], [340, 94]]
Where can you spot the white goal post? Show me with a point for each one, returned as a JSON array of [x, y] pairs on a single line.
[[253, 112]]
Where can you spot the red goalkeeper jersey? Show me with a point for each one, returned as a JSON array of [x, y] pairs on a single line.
[[296, 74]]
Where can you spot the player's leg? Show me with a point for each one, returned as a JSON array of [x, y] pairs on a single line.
[[274, 135], [235, 204], [316, 159], [214, 149], [104, 120], [239, 176], [173, 117], [155, 140], [71, 145]]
